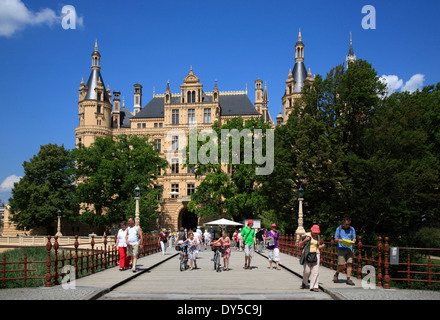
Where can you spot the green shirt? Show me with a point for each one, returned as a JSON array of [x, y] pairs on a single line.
[[250, 239]]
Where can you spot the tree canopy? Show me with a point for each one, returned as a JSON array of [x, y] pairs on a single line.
[[108, 171], [46, 188]]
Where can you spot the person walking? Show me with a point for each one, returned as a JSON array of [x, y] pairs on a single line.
[[248, 242], [134, 240], [273, 251], [239, 239], [163, 238], [345, 236], [207, 236], [260, 240], [121, 244], [181, 236], [192, 247], [197, 236], [225, 242], [311, 258], [235, 238]]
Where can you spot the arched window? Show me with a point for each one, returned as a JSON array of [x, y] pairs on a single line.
[[189, 97], [193, 96]]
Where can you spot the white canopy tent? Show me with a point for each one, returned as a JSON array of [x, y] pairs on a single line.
[[223, 223]]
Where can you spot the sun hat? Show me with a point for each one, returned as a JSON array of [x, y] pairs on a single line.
[[315, 229], [273, 225]]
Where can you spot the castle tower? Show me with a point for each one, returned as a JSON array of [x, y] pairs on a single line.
[[137, 98], [259, 95], [116, 109], [351, 56], [94, 106], [295, 79]]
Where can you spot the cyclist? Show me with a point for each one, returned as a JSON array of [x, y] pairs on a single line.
[[225, 243], [192, 250]]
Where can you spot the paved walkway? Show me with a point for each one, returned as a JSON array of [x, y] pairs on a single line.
[[165, 282]]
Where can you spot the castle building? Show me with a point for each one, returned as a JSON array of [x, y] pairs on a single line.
[[101, 114]]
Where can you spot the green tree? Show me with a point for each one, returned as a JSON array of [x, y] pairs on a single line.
[[358, 153], [109, 170], [46, 188]]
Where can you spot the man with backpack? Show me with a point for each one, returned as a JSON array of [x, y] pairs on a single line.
[[345, 237]]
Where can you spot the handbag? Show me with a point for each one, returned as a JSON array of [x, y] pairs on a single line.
[[311, 257]]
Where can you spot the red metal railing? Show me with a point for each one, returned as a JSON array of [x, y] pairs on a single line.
[[84, 261], [372, 255]]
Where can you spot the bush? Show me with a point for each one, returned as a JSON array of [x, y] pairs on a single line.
[[427, 238]]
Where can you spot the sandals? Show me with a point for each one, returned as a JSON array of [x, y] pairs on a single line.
[[350, 283]]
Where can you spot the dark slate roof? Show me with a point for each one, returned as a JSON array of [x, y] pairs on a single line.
[[350, 51], [230, 105], [299, 75], [235, 105], [125, 117], [91, 85]]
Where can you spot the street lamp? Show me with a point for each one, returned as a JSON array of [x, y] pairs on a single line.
[[59, 234], [137, 193], [300, 230]]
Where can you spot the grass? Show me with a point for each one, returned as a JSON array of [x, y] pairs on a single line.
[[34, 254]]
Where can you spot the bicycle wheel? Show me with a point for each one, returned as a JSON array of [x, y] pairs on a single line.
[[182, 262], [218, 263], [215, 261]]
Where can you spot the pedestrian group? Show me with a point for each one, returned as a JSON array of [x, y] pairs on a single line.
[[129, 242]]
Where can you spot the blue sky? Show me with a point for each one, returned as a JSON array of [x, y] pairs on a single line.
[[150, 42]]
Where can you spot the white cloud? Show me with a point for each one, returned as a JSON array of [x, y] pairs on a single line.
[[416, 82], [394, 83], [15, 16], [8, 183]]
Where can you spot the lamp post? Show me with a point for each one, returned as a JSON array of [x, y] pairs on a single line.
[[59, 234], [300, 230], [137, 193]]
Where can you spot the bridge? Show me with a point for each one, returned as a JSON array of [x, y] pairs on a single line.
[[158, 278]]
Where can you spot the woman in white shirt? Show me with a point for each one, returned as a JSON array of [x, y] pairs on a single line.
[[121, 243]]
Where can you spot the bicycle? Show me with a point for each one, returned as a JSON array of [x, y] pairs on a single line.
[[183, 259], [217, 257]]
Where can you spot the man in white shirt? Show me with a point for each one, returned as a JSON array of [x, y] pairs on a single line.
[[207, 236], [134, 242], [197, 236]]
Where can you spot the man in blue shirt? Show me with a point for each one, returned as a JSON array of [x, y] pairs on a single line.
[[345, 251]]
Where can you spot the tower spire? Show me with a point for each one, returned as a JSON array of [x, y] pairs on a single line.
[[351, 56], [96, 57], [299, 48]]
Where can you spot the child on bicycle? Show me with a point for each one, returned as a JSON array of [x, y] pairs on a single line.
[[192, 246], [225, 242]]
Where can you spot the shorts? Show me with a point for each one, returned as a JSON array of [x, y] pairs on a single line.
[[133, 250], [249, 250], [344, 257], [273, 254]]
